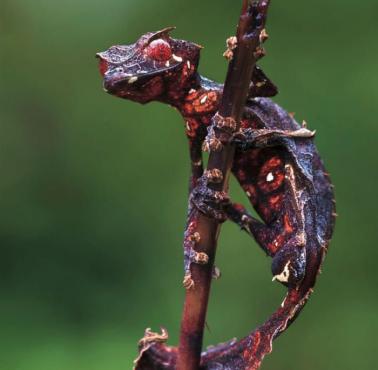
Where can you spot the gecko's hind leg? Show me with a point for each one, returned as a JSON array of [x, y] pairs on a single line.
[[263, 234], [210, 202]]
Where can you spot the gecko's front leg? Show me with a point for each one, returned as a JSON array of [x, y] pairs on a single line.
[[203, 199], [191, 239], [211, 203], [191, 235], [208, 201]]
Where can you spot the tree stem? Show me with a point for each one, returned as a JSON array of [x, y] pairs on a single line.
[[245, 55]]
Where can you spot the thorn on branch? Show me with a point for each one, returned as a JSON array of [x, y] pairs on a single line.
[[214, 175], [216, 275]]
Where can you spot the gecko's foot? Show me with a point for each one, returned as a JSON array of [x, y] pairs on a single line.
[[219, 133], [150, 338], [210, 202], [193, 256], [200, 258], [188, 282]]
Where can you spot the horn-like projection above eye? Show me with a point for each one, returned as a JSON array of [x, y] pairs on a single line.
[[159, 34]]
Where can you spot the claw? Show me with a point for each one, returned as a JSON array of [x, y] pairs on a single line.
[[212, 144], [216, 274], [148, 340], [224, 123], [215, 175], [195, 237], [263, 36], [209, 202], [201, 258]]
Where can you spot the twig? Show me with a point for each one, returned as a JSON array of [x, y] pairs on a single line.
[[247, 52]]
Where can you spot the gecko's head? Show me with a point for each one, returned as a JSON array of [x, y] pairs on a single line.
[[289, 265], [152, 68]]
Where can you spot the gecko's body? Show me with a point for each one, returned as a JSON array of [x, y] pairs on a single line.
[[276, 163]]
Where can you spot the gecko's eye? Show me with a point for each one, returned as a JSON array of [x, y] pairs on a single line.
[[159, 50], [103, 66]]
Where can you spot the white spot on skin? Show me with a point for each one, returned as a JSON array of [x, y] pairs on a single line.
[[177, 58], [283, 277], [283, 302], [192, 91], [269, 177], [188, 64], [167, 64], [203, 100], [248, 194], [133, 79]]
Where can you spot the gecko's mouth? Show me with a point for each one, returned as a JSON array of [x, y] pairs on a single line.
[[115, 80]]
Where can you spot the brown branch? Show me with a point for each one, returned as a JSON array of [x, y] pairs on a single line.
[[245, 55]]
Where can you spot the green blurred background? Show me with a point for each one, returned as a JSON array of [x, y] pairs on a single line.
[[91, 253]]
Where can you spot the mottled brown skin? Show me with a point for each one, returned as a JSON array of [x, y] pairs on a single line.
[[276, 163]]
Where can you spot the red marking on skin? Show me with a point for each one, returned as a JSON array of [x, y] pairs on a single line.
[[188, 109], [273, 162], [192, 95], [184, 74], [192, 227], [191, 127], [288, 229], [265, 211], [275, 202], [239, 207], [206, 120], [273, 166], [287, 224], [256, 341], [250, 353], [213, 96], [277, 243], [159, 50], [244, 123], [188, 103], [103, 66], [250, 190], [200, 102]]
